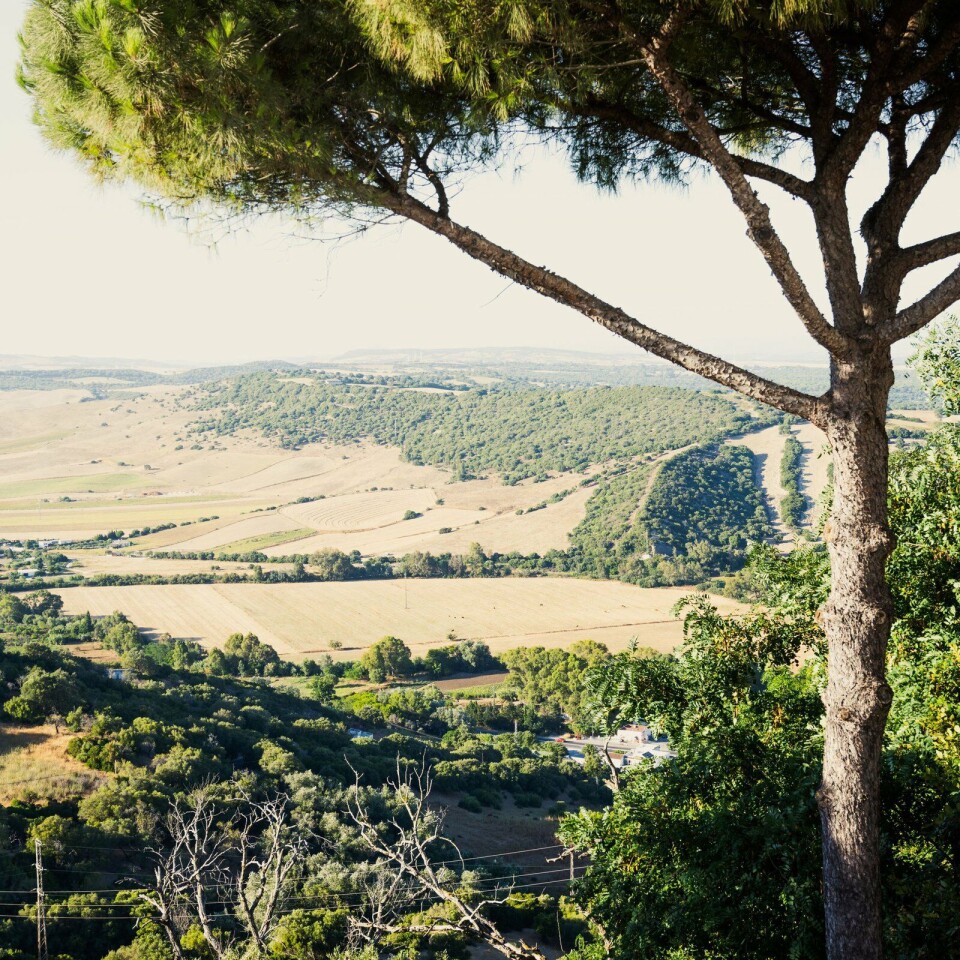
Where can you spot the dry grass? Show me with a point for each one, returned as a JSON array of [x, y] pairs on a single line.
[[34, 764], [501, 831], [920, 419], [302, 619]]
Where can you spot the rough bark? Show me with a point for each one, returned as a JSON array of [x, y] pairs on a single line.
[[856, 620]]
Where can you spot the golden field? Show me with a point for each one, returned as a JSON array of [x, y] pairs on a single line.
[[34, 762], [302, 620], [130, 462]]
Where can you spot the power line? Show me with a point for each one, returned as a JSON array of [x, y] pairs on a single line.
[[121, 846], [353, 896], [224, 915], [145, 873]]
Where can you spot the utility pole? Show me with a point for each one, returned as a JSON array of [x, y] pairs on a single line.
[[42, 953]]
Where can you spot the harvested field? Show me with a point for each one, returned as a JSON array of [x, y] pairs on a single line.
[[767, 446], [302, 619], [471, 682], [91, 564], [360, 512], [245, 528], [477, 511], [918, 419], [265, 540], [129, 462], [814, 465]]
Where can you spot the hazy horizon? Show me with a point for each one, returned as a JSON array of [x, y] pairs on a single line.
[[493, 353]]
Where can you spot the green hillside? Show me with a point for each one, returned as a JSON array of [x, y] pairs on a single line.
[[516, 433]]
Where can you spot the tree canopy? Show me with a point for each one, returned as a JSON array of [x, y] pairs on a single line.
[[384, 106]]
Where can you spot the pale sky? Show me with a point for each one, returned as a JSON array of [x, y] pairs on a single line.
[[88, 272]]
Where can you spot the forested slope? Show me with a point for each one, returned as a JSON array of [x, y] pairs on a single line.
[[516, 433]]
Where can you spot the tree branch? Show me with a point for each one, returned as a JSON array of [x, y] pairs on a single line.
[[684, 143], [756, 213], [564, 291], [874, 91], [920, 70], [887, 265], [927, 308], [928, 252], [887, 215], [407, 854]]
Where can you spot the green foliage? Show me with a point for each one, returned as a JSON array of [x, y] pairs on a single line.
[[937, 364], [468, 656], [328, 564], [43, 693], [12, 609], [322, 686], [516, 433], [551, 681], [309, 933], [718, 853], [387, 659], [608, 541], [160, 738], [698, 516], [198, 101], [249, 656], [793, 504], [707, 495], [924, 569]]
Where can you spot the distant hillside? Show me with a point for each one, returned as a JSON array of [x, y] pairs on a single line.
[[508, 365], [100, 381], [516, 433], [576, 369], [608, 438]]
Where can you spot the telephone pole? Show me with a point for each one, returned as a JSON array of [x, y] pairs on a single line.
[[42, 953]]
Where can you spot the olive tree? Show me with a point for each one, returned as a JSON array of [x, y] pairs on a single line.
[[379, 107]]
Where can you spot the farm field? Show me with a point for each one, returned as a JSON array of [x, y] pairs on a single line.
[[91, 563], [767, 446], [302, 620], [129, 462]]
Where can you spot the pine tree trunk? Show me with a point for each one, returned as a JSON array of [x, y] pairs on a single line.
[[856, 619]]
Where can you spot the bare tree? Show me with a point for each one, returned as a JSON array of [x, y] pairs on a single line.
[[269, 856], [223, 865], [414, 878]]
